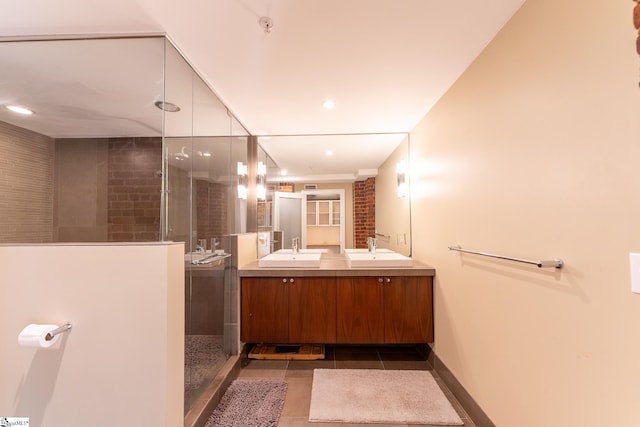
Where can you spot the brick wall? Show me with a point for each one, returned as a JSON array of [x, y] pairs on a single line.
[[134, 189], [211, 210], [285, 187], [364, 211]]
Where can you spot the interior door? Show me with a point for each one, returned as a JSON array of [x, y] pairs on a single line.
[[287, 210]]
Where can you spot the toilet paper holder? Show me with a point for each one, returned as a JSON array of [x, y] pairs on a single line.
[[64, 328]]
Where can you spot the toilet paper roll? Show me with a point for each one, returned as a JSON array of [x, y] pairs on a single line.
[[35, 335]]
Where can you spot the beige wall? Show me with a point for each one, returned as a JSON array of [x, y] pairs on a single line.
[[26, 185], [534, 153], [323, 236], [393, 213], [124, 358]]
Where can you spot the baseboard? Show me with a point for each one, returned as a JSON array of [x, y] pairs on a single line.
[[464, 398]]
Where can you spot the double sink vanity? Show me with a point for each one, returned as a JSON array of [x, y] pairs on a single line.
[[358, 297]]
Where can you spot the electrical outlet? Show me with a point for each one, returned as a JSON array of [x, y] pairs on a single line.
[[634, 261], [401, 239]]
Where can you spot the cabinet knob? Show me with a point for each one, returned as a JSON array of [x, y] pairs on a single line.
[[292, 280], [379, 279], [284, 280], [388, 280]]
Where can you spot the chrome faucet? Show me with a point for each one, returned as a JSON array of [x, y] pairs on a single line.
[[371, 244], [295, 242], [201, 247]]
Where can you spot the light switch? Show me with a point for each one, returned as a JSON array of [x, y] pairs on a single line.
[[634, 260]]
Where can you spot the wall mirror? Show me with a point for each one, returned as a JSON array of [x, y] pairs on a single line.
[[334, 191]]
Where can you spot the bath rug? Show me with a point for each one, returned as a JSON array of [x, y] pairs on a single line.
[[379, 396], [250, 403]]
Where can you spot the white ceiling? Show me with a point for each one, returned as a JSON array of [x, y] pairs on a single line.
[[384, 62]]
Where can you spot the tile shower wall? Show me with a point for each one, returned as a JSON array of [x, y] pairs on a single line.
[[26, 186], [211, 210], [107, 189], [134, 184], [80, 189], [364, 211]]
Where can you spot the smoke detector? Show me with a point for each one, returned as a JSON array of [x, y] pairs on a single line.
[[266, 23]]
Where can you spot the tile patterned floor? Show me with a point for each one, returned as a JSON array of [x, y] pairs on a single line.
[[299, 376]]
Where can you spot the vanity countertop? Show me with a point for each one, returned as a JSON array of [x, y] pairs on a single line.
[[335, 265]]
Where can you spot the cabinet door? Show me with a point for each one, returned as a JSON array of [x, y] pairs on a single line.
[[408, 305], [312, 310], [311, 213], [360, 310], [324, 212], [265, 314], [335, 212]]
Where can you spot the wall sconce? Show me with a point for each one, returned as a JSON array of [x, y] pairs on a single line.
[[401, 175], [261, 178], [242, 181]]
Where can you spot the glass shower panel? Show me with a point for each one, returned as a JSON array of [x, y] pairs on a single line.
[[209, 181], [95, 140], [178, 160]]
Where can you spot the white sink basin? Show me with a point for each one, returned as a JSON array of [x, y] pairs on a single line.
[[195, 256], [290, 260], [302, 251], [366, 251], [379, 259]]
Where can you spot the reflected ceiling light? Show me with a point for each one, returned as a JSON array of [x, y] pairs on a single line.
[[167, 106], [328, 153], [20, 110], [261, 179], [204, 154], [242, 181], [283, 172], [328, 104], [401, 176]]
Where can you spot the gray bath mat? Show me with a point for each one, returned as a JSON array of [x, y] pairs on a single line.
[[379, 396], [250, 403]]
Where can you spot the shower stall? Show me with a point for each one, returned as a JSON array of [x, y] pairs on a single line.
[[127, 143]]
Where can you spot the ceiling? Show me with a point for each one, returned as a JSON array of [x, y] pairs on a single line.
[[383, 62]]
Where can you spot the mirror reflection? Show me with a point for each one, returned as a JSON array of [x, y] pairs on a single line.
[[333, 192]]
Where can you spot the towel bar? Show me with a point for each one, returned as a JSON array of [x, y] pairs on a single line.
[[556, 263]]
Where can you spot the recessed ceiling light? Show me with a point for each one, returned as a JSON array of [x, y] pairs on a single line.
[[328, 104], [167, 106], [328, 153], [206, 154], [19, 110], [283, 172]]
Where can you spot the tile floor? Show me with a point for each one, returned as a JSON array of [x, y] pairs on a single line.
[[299, 376]]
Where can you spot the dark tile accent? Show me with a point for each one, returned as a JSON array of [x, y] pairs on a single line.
[[461, 395], [202, 410]]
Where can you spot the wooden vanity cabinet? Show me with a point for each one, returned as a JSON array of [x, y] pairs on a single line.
[[383, 309], [360, 310], [288, 310]]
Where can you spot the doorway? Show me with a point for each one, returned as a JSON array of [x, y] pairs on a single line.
[[323, 218], [287, 216]]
